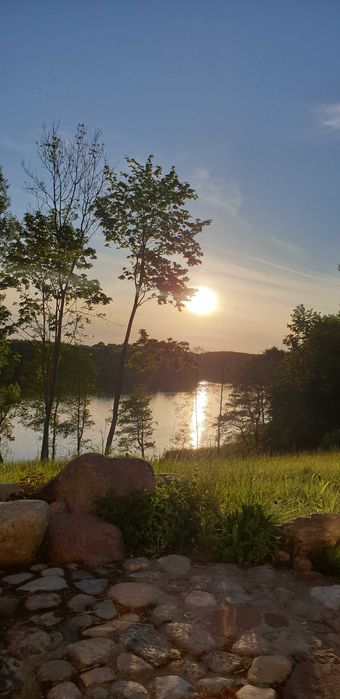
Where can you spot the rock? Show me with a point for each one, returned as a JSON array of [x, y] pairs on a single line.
[[91, 652], [251, 692], [100, 631], [22, 643], [267, 670], [143, 640], [42, 601], [225, 663], [91, 476], [55, 671], [99, 675], [53, 571], [49, 584], [80, 602], [189, 669], [132, 665], [251, 644], [92, 586], [313, 680], [134, 565], [7, 490], [307, 536], [135, 595], [129, 690], [190, 638], [175, 566], [165, 612], [83, 538], [64, 690], [214, 684], [200, 603], [233, 619], [17, 578], [105, 609], [172, 687], [8, 606], [23, 524], [329, 596]]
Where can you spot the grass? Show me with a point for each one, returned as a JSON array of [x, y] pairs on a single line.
[[286, 486]]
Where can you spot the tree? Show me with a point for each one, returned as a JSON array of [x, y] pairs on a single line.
[[303, 320], [136, 425], [144, 213], [47, 259], [80, 380]]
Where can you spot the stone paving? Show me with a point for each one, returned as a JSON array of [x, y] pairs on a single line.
[[168, 629]]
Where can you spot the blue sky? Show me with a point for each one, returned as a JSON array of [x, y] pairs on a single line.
[[242, 96]]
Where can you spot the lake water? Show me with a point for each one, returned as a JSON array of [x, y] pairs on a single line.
[[182, 420]]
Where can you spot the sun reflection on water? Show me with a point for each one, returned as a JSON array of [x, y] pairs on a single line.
[[198, 415]]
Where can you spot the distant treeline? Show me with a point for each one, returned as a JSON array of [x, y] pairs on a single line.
[[205, 366]]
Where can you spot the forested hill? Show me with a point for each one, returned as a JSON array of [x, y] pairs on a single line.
[[207, 366]]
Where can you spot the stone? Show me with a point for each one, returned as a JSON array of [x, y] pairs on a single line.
[[8, 606], [313, 680], [17, 578], [222, 662], [251, 644], [329, 596], [132, 665], [91, 476], [55, 671], [135, 595], [172, 687], [251, 692], [99, 675], [190, 638], [129, 690], [83, 538], [53, 571], [143, 640], [233, 619], [165, 612], [38, 567], [49, 584], [43, 601], [200, 602], [134, 565], [96, 692], [64, 690], [80, 602], [307, 536], [22, 643], [189, 669], [92, 586], [107, 630], [7, 490], [105, 609], [91, 651], [214, 684], [175, 566], [267, 670], [23, 524]]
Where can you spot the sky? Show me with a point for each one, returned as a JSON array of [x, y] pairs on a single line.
[[242, 97]]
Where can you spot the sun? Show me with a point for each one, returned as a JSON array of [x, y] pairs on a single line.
[[203, 302]]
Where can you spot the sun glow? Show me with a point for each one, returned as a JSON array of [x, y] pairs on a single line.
[[203, 302]]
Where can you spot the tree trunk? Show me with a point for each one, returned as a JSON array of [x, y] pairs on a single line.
[[121, 369]]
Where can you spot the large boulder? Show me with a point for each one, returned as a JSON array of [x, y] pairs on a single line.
[[83, 538], [23, 524], [91, 476], [305, 537]]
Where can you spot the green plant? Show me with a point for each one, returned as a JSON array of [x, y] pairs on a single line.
[[327, 561], [246, 536], [167, 520]]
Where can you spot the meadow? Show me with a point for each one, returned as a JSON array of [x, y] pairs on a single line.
[[287, 486]]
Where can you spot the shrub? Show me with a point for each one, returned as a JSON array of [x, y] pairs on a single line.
[[167, 520], [247, 537], [328, 561]]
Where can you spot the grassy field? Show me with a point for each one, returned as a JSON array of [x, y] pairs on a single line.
[[287, 486]]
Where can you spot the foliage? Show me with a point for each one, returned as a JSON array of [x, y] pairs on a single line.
[[135, 423], [167, 520], [144, 213], [247, 536], [327, 561]]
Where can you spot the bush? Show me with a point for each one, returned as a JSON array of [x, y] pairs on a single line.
[[328, 561], [179, 517], [153, 524]]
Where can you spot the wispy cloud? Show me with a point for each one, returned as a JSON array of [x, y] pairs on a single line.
[[286, 246], [328, 116], [217, 191]]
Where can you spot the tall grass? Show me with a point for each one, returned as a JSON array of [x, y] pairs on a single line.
[[286, 486]]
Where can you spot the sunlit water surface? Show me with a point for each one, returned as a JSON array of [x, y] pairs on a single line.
[[182, 420]]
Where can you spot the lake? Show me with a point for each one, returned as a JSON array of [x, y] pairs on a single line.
[[183, 419]]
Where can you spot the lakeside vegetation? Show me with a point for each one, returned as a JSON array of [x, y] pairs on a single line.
[[287, 486]]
